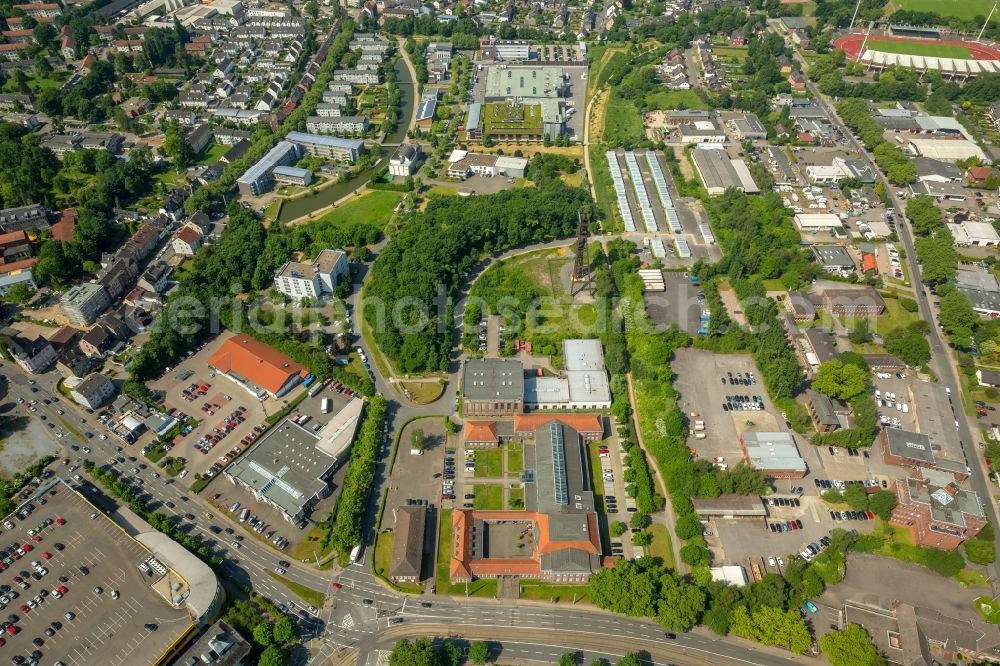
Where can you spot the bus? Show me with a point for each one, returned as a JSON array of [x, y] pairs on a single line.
[[356, 554]]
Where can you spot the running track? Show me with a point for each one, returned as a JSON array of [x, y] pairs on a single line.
[[851, 45]]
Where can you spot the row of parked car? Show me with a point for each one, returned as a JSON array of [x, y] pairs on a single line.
[[852, 515], [813, 549], [786, 526]]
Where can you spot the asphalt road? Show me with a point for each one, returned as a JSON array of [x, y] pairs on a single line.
[[941, 359]]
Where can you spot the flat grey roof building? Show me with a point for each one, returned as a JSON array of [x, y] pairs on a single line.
[[718, 173], [493, 379], [833, 257], [729, 505], [524, 82], [774, 453], [286, 469]]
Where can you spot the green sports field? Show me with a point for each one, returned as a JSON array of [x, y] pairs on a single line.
[[918, 48], [963, 9]]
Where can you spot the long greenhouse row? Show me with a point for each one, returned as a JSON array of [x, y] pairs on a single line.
[[641, 196], [619, 183], [661, 189]]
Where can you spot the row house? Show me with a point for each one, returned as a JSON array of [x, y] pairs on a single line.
[[329, 110], [18, 36], [195, 98], [16, 102], [127, 46], [13, 52], [356, 76], [331, 97], [38, 10]]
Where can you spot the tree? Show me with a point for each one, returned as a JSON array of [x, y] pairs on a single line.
[[840, 381], [618, 528], [175, 145], [688, 526], [479, 652], [567, 659], [856, 497], [861, 333], [638, 520], [772, 626], [911, 347], [695, 555], [882, 503], [263, 634], [273, 656], [418, 653], [18, 293], [681, 603], [641, 539], [850, 647], [629, 659], [285, 630], [417, 440]]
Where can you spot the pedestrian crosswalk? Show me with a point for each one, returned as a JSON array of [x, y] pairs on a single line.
[[382, 657], [347, 622]]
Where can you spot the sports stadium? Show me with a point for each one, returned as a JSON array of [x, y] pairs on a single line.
[[922, 49]]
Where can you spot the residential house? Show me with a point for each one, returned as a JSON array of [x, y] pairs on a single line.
[[34, 356], [186, 241], [93, 392]]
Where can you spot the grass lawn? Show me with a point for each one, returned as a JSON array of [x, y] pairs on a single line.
[[972, 578], [774, 285], [515, 498], [515, 459], [540, 591], [573, 179], [675, 99], [311, 547], [918, 48], [603, 187], [964, 9], [424, 392], [988, 609], [169, 178], [661, 546], [374, 207], [622, 122], [489, 463], [307, 594], [274, 210], [212, 153], [442, 190], [38, 84], [731, 52], [489, 497]]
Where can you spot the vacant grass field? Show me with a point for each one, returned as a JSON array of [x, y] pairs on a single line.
[[489, 497], [540, 591], [442, 191], [660, 546], [622, 122], [964, 9], [515, 458], [212, 153], [515, 498], [489, 463], [676, 99], [502, 118], [375, 207], [918, 48]]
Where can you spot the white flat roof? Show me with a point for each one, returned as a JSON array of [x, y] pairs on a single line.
[[817, 221]]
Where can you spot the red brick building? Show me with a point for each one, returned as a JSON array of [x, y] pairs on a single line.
[[936, 512]]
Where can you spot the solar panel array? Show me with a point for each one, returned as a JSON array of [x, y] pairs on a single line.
[[661, 188], [657, 246], [683, 250], [619, 182], [706, 233], [640, 191]]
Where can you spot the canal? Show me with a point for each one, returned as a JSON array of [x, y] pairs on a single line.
[[295, 208]]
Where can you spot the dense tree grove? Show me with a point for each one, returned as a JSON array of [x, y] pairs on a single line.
[[424, 262], [357, 482], [29, 170], [851, 646]]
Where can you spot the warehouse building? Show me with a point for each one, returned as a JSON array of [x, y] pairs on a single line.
[[582, 385], [492, 387], [718, 173], [773, 453]]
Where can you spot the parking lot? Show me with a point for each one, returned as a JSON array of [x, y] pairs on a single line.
[[93, 561], [419, 476], [193, 389], [703, 383], [678, 305]]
